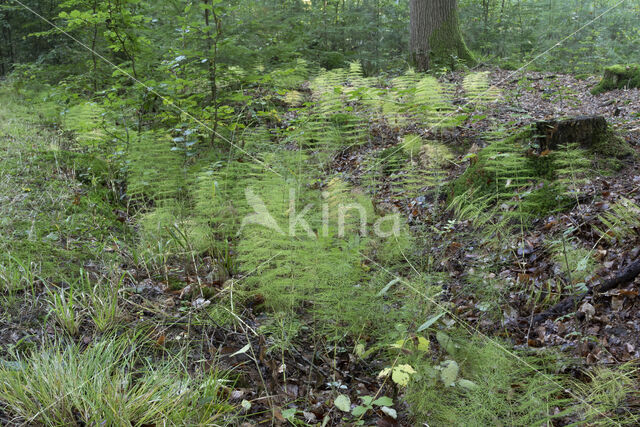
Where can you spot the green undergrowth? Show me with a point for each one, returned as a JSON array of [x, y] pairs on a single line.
[[416, 167], [246, 200], [333, 267], [321, 262], [492, 387], [510, 183], [279, 233], [57, 211], [63, 242], [620, 222], [482, 382], [577, 263], [610, 153]]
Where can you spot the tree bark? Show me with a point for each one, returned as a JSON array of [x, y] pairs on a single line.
[[584, 130], [6, 33], [212, 56], [435, 34], [94, 40]]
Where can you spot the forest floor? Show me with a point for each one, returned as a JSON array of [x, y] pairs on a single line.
[[527, 99], [59, 218]]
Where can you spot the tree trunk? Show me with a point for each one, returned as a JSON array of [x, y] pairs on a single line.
[[6, 33], [94, 40], [212, 56], [435, 34]]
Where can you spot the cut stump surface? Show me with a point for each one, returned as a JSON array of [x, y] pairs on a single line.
[[584, 130]]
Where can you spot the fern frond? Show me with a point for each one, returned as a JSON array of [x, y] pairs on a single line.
[[327, 81], [290, 77], [355, 76], [321, 136], [86, 121], [577, 262], [406, 81], [571, 167], [396, 100], [412, 169], [155, 171], [620, 221], [294, 98], [433, 104], [257, 139], [478, 89], [521, 184]]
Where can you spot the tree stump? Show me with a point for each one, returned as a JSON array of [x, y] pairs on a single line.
[[584, 130], [618, 77]]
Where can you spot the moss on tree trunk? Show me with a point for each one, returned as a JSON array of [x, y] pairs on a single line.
[[436, 39], [618, 77], [447, 45]]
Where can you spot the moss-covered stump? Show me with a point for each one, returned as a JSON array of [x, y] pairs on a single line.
[[539, 170], [618, 77], [587, 131]]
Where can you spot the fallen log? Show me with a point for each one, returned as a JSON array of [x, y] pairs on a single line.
[[627, 275]]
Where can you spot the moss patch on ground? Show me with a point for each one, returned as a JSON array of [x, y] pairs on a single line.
[[610, 152]]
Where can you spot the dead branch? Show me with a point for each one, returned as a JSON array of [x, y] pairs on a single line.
[[627, 275]]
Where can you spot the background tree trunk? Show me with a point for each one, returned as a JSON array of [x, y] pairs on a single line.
[[435, 34], [212, 56]]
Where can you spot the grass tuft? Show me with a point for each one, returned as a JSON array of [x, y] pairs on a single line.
[[109, 383]]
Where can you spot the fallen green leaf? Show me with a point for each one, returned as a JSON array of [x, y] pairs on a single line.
[[383, 401], [343, 403], [390, 412], [401, 374], [469, 385], [359, 410], [430, 322], [449, 372]]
